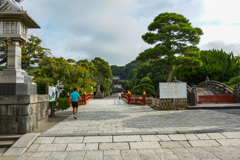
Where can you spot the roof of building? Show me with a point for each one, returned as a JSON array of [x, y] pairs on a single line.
[[116, 78], [10, 9]]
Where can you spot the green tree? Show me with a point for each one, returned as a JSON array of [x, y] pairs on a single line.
[[127, 85], [32, 52], [88, 65], [103, 74], [155, 73], [127, 71], [235, 81], [217, 65], [53, 69], [144, 85], [175, 42]]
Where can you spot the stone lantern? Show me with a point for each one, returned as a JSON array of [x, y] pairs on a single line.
[[14, 24], [21, 109]]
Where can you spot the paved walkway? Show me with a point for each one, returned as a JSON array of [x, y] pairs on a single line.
[[111, 129]]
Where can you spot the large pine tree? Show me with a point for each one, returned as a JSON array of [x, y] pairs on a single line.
[[175, 42]]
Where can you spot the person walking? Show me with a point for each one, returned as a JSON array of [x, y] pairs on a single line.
[[119, 95], [75, 96]]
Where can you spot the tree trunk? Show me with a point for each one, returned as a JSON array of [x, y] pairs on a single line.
[[169, 76]]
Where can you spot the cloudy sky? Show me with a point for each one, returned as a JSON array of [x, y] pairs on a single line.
[[112, 29]]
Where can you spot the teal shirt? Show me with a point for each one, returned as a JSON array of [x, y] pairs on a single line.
[[74, 96]]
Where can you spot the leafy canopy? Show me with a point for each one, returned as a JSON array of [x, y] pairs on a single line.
[[54, 69], [103, 73], [144, 85], [32, 52], [217, 65], [175, 42]]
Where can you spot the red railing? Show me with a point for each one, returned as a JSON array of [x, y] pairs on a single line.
[[134, 99], [85, 98], [216, 99]]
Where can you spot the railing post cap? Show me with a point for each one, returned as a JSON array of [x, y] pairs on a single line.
[[85, 92], [68, 94], [144, 92]]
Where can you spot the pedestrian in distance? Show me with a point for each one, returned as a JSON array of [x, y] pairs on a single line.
[[75, 96], [119, 95]]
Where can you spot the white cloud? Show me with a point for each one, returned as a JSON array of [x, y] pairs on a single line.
[[220, 45], [112, 30]]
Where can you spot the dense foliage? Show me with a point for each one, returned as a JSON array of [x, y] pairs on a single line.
[[126, 72], [53, 69], [32, 52], [62, 103], [155, 73], [175, 42], [144, 85], [217, 65], [103, 74]]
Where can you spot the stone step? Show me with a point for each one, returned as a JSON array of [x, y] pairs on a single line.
[[9, 137], [6, 144]]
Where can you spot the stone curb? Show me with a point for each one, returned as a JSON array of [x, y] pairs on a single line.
[[135, 133], [22, 144]]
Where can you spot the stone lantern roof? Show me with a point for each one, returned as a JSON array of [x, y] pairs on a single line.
[[10, 10]]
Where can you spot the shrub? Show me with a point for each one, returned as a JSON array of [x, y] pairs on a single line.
[[62, 103]]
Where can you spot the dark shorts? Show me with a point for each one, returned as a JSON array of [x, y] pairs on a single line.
[[75, 104]]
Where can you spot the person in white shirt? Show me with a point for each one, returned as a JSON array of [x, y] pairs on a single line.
[[119, 95]]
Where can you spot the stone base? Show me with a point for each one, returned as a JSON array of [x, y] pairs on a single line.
[[22, 114], [18, 89], [98, 95]]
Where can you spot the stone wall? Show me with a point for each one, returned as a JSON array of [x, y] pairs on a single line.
[[20, 114], [168, 104]]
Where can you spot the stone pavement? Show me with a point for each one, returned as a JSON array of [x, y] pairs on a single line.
[[111, 129]]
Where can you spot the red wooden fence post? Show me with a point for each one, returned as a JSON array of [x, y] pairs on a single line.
[[84, 98], [144, 101], [68, 96], [129, 97]]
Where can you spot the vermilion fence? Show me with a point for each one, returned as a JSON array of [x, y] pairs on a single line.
[[216, 98], [134, 99], [83, 100]]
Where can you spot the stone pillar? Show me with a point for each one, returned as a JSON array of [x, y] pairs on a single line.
[[14, 55], [207, 81], [175, 79], [98, 94], [14, 80], [236, 93], [193, 101]]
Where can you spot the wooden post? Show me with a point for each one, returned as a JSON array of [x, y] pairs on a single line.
[[68, 96], [129, 97], [84, 98], [47, 88], [144, 100]]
